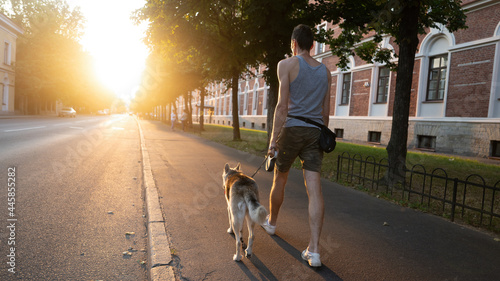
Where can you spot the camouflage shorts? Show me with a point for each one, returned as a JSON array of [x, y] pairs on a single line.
[[301, 142]]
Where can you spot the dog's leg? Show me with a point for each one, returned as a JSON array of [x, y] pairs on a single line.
[[237, 225], [250, 224], [230, 229]]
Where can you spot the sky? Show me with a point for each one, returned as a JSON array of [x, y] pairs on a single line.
[[115, 42]]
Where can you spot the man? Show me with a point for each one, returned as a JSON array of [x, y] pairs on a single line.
[[304, 91], [184, 118], [173, 117]]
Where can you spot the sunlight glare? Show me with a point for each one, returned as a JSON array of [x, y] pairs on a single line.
[[115, 43]]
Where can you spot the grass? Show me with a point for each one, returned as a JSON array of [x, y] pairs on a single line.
[[255, 142]]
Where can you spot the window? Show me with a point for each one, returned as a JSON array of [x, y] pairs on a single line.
[[255, 99], [255, 96], [437, 78], [495, 148], [383, 85], [320, 47], [346, 88], [426, 142], [6, 53], [4, 95], [339, 133], [263, 126], [374, 137]]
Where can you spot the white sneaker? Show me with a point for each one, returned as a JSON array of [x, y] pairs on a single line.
[[270, 229], [311, 258]]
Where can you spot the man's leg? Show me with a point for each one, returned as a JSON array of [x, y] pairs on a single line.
[[277, 195], [316, 208]]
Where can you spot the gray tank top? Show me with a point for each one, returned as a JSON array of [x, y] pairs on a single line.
[[307, 93]]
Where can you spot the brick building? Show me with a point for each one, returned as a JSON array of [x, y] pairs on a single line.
[[455, 100]]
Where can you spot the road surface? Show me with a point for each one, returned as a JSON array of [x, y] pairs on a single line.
[[77, 195]]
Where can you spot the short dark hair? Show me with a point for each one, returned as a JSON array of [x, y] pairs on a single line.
[[304, 36]]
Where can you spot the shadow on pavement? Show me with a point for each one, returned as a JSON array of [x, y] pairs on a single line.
[[265, 273], [324, 272]]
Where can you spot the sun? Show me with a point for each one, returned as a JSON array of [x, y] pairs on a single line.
[[115, 43], [120, 67]]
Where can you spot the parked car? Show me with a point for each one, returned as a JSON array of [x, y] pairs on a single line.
[[67, 111], [103, 112]]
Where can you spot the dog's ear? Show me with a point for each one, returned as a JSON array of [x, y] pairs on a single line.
[[238, 167], [226, 168]]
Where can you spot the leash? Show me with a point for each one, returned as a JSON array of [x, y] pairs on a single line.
[[260, 166]]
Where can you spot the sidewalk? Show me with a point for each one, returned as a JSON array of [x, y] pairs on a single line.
[[363, 238]]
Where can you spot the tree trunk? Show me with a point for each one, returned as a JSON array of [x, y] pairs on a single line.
[[272, 97], [408, 41], [190, 109], [202, 108], [236, 119]]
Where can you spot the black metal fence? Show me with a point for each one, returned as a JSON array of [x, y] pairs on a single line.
[[470, 199]]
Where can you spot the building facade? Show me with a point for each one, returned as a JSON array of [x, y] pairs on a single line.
[[455, 96], [9, 32]]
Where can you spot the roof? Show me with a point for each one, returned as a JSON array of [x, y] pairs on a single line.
[[10, 26]]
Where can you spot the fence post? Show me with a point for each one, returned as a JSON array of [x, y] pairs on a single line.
[[454, 199], [338, 167]]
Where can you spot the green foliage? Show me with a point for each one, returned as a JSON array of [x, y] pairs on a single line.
[[221, 40], [361, 19]]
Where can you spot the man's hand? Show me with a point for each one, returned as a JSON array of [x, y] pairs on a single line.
[[272, 151]]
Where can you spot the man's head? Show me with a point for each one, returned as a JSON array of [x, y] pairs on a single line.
[[304, 36]]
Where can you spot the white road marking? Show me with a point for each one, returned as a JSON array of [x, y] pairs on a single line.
[[24, 129]]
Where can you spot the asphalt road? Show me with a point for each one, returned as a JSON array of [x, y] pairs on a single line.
[[77, 195], [364, 238]]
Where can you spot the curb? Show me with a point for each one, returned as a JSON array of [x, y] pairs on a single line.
[[159, 257]]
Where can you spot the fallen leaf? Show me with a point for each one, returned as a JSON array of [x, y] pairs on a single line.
[[110, 213], [386, 223], [497, 239], [130, 233], [127, 253]]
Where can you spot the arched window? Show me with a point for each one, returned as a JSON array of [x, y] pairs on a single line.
[[434, 70], [255, 96], [344, 84]]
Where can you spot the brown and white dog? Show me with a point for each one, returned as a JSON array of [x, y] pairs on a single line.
[[242, 196]]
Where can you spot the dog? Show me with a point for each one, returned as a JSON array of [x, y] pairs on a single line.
[[242, 196]]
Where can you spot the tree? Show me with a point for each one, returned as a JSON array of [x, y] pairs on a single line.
[[270, 29], [51, 64], [209, 36], [404, 21]]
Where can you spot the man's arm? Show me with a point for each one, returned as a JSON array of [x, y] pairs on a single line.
[[281, 110], [326, 100]]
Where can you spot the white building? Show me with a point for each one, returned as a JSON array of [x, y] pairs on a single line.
[[9, 32]]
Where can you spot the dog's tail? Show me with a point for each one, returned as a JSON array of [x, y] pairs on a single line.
[[257, 212]]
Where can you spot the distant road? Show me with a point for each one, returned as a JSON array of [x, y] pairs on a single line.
[[77, 194]]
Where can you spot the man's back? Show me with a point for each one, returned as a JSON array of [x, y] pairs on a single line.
[[307, 90]]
